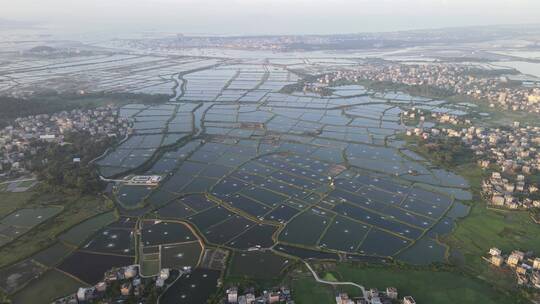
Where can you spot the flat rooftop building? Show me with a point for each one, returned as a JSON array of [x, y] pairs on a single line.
[[144, 180]]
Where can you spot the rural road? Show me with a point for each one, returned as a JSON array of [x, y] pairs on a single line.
[[18, 180]]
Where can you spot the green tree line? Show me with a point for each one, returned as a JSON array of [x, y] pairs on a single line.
[[55, 166]]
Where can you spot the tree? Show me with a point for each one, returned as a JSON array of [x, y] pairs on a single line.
[[449, 151], [57, 170]]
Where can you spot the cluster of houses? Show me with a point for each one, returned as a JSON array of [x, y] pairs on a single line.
[[374, 296], [416, 115], [514, 156], [501, 192], [274, 43], [456, 78], [281, 295], [525, 266], [511, 154], [16, 139], [120, 285]]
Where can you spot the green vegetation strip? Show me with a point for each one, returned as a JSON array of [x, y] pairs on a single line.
[[80, 233]]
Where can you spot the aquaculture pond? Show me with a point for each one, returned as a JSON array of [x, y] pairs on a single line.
[[196, 287], [247, 166]]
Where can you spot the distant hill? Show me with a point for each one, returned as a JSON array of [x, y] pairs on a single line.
[[42, 49]]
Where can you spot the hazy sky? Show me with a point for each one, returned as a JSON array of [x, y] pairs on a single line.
[[266, 16]]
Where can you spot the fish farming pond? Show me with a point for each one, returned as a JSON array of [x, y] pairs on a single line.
[[279, 177], [268, 177], [320, 174]]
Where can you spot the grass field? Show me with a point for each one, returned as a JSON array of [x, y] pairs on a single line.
[[330, 277], [485, 228], [52, 285], [3, 297], [76, 210], [26, 184], [11, 201], [307, 291], [427, 286], [150, 267]]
